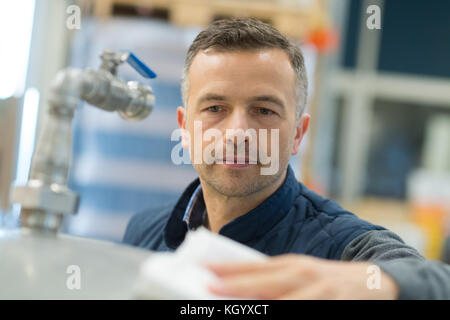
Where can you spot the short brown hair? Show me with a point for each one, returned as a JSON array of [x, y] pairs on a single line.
[[248, 34]]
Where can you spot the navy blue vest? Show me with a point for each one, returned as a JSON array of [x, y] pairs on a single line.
[[292, 220]]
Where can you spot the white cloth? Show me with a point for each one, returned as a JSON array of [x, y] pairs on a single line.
[[182, 274]]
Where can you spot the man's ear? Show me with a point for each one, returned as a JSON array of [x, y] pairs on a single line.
[[300, 131], [181, 119]]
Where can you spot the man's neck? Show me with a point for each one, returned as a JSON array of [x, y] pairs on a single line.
[[222, 209]]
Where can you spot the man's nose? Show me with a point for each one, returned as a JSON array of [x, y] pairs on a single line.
[[238, 123]]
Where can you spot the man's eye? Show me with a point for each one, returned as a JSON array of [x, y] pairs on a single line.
[[264, 111], [214, 109]]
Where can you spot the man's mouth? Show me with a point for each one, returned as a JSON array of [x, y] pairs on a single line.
[[236, 163]]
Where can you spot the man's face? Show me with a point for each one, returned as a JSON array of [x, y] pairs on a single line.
[[242, 90]]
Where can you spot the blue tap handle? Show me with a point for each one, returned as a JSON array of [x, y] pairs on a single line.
[[140, 66]]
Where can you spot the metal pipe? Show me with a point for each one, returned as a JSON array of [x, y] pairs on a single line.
[[45, 199]]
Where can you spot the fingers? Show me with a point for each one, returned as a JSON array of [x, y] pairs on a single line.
[[315, 291], [269, 279], [226, 269], [260, 285], [271, 264]]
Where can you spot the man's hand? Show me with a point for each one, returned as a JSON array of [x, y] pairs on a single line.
[[301, 277]]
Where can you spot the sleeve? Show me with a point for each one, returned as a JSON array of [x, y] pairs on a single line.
[[416, 277]]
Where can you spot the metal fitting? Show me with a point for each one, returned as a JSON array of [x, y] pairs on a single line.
[[53, 198]]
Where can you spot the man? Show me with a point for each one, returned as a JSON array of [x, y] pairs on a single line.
[[243, 75]]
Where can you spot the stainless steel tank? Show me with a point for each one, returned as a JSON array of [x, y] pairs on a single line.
[[36, 264]]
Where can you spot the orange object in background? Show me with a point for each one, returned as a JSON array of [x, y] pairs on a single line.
[[324, 39], [429, 198], [432, 219]]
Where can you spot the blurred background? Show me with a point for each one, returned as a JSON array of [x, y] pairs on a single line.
[[379, 97]]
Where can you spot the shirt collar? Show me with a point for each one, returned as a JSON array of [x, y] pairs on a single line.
[[195, 212], [245, 228]]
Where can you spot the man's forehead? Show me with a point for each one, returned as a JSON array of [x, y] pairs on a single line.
[[270, 65], [217, 55]]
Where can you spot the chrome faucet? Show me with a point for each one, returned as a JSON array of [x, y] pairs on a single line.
[[46, 198]]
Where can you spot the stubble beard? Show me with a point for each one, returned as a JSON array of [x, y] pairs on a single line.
[[237, 182]]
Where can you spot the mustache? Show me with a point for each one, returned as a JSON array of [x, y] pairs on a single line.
[[237, 155]]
